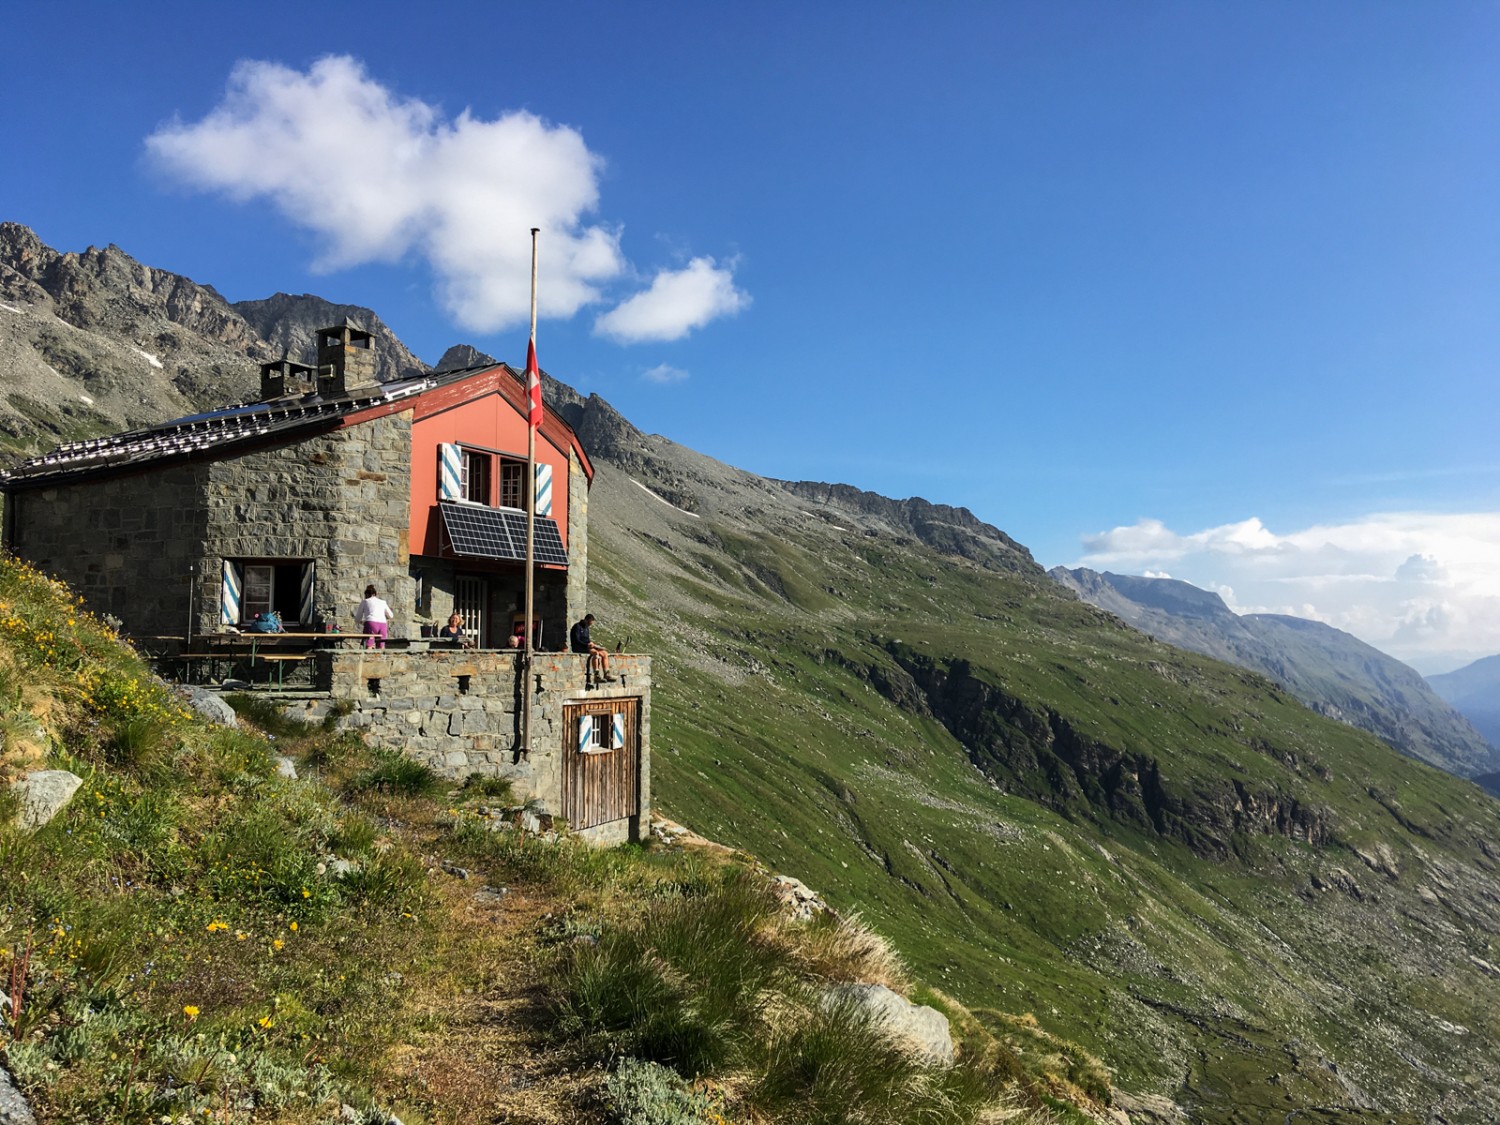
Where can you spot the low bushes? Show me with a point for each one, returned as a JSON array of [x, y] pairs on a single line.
[[715, 984]]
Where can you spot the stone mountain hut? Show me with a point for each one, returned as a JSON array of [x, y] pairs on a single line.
[[330, 482]]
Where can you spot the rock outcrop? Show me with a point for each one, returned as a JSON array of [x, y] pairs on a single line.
[[921, 1030], [44, 794]]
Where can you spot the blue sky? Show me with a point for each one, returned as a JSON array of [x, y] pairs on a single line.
[[1200, 289]]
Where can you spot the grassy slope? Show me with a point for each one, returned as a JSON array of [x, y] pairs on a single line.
[[179, 943], [1220, 975]]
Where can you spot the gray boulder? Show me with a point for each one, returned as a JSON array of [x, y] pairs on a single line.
[[286, 768], [209, 704], [43, 795], [13, 1107], [919, 1029]]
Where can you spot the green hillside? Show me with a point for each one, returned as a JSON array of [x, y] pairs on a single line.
[[274, 923], [1236, 903]]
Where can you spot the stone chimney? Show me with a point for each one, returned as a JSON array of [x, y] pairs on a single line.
[[286, 377], [346, 358]]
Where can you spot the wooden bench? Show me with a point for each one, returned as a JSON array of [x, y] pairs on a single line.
[[280, 660]]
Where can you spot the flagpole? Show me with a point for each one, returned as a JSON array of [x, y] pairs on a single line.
[[531, 424]]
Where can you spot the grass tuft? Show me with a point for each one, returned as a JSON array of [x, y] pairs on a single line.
[[393, 773]]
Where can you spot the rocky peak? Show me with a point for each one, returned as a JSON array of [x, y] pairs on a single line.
[[108, 290], [461, 356], [290, 324], [953, 531]]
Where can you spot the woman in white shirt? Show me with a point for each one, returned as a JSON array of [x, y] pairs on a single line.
[[374, 616]]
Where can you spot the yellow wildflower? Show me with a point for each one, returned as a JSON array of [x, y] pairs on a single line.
[[190, 1010]]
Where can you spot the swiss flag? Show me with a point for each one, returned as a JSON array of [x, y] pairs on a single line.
[[533, 386]]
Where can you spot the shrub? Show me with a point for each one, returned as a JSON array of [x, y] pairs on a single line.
[[842, 948], [268, 716], [646, 1093], [686, 984], [355, 836], [394, 773], [498, 789]]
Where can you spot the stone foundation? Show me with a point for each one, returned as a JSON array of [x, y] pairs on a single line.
[[459, 713]]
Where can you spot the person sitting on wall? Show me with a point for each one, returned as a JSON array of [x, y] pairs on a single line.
[[583, 644], [454, 631], [374, 616]]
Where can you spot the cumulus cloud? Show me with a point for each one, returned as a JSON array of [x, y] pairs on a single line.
[[377, 178], [1422, 586], [677, 302], [662, 373]]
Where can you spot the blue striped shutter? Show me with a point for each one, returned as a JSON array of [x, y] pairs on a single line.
[[229, 594], [617, 729], [543, 489], [305, 603], [450, 472], [585, 732]]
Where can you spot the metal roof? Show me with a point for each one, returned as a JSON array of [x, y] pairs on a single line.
[[216, 430]]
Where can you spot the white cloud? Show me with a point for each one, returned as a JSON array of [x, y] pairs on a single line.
[[661, 373], [378, 177], [677, 302], [1422, 586]]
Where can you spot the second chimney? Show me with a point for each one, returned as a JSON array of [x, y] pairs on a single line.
[[346, 358]]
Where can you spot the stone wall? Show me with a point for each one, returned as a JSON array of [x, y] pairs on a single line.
[[578, 539], [124, 543], [459, 712], [341, 499]]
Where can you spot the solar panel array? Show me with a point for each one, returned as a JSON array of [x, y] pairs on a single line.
[[214, 430], [500, 533]]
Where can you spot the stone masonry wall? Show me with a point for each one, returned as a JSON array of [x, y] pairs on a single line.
[[578, 540], [423, 710], [124, 543], [341, 499]]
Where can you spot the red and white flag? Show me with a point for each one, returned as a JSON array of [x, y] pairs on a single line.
[[533, 386]]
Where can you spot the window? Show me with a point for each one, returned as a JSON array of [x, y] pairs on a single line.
[[259, 586], [476, 476], [512, 473], [471, 474], [601, 731]]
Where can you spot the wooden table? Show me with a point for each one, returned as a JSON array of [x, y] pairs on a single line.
[[275, 649]]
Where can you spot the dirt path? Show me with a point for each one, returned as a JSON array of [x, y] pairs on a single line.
[[484, 1054]]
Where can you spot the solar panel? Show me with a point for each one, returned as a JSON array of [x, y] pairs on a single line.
[[546, 542], [495, 533]]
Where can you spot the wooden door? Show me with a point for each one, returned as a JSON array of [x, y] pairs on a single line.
[[601, 761]]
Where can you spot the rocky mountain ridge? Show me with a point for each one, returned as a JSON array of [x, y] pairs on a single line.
[[96, 341], [1331, 671]]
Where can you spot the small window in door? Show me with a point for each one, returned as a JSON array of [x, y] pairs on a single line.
[[601, 732]]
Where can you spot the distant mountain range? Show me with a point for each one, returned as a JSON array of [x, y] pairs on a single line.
[[1250, 912], [1474, 692], [1334, 673]]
